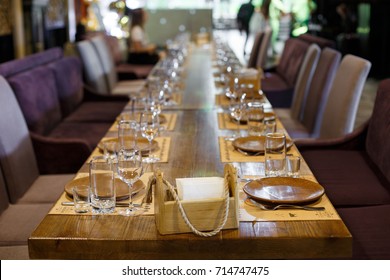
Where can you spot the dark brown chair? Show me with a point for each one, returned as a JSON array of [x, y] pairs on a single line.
[[355, 172]]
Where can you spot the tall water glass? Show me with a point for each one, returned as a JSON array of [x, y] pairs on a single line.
[[255, 117], [127, 134], [275, 154], [101, 176]]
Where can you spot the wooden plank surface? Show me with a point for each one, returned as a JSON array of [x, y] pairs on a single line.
[[194, 153]]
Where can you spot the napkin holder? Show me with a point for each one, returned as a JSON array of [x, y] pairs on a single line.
[[204, 215]]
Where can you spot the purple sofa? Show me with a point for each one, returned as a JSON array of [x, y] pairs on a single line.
[[65, 122], [355, 172]]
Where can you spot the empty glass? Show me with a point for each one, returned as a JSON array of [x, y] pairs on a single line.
[[275, 154], [129, 170], [150, 126], [127, 134], [81, 198], [255, 117], [101, 176], [293, 165]]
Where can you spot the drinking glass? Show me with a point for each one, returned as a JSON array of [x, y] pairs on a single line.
[[127, 134], [255, 116], [101, 176], [130, 169], [275, 154], [150, 126], [293, 165]]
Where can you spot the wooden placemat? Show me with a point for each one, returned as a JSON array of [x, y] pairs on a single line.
[[59, 209], [169, 125], [229, 154], [250, 213]]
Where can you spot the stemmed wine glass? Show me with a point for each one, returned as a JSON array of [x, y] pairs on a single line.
[[237, 110], [150, 126], [130, 169]]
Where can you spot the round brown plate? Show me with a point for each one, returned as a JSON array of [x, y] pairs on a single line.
[[137, 116], [122, 189], [267, 117], [142, 143], [254, 144], [284, 190]]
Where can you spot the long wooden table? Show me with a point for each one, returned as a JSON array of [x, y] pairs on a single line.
[[194, 153]]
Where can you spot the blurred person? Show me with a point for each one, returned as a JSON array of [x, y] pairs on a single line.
[[140, 50], [244, 16], [276, 9], [260, 19], [301, 11]]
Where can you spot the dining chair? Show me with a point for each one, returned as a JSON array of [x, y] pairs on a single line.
[[308, 122], [344, 96], [18, 162], [262, 56], [255, 50], [278, 84], [100, 71]]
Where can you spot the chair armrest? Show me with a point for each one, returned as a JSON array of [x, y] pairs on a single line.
[[92, 95], [59, 156], [352, 141]]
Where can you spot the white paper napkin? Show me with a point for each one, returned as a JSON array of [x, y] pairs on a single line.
[[200, 188]]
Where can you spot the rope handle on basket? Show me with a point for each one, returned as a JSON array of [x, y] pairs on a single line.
[[183, 213]]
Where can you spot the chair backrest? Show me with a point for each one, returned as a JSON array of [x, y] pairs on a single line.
[[94, 74], [115, 49], [291, 60], [263, 49], [317, 95], [378, 135], [320, 41], [106, 60], [303, 81], [17, 158], [68, 77], [13, 67], [344, 96], [4, 200], [255, 50]]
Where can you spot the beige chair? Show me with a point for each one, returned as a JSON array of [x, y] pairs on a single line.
[[99, 69], [258, 56], [309, 121], [343, 101], [305, 75], [255, 50], [263, 49]]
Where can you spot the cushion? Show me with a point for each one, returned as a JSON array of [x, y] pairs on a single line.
[[68, 76], [46, 189], [19, 221], [97, 112], [16, 66], [370, 229], [37, 95], [378, 144], [348, 177], [292, 57], [90, 132]]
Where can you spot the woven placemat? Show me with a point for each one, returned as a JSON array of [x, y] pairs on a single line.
[[169, 125]]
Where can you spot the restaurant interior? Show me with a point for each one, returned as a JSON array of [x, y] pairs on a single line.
[[194, 136]]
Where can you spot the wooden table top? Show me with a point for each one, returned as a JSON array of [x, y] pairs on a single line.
[[194, 153]]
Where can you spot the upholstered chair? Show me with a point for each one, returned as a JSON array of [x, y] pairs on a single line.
[[99, 69], [261, 60], [306, 122], [17, 158], [255, 50], [278, 84]]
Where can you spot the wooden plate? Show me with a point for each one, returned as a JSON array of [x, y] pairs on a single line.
[[122, 189], [284, 190], [137, 116], [254, 144], [142, 143], [267, 117]]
